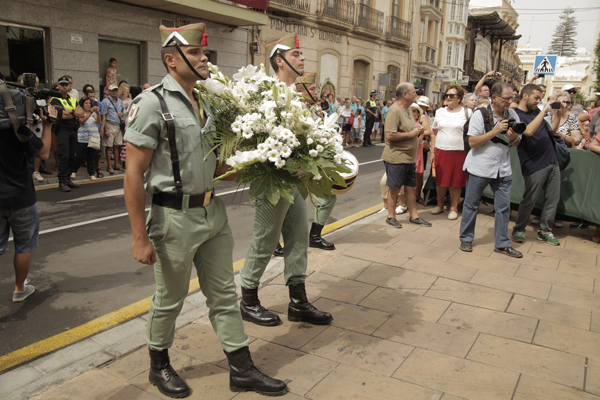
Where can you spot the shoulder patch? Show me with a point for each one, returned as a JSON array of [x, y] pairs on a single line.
[[133, 112]]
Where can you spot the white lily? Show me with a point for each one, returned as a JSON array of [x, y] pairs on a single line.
[[245, 72]]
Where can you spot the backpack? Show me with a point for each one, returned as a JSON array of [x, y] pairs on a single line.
[[487, 118]]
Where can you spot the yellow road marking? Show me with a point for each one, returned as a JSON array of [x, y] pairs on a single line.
[[131, 311]]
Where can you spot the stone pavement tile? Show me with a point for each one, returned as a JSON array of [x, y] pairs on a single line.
[[114, 335], [289, 334], [406, 304], [130, 365], [276, 298], [579, 268], [550, 311], [257, 396], [67, 356], [512, 284], [595, 324], [361, 351], [379, 239], [531, 388], [427, 335], [467, 293], [440, 231], [301, 371], [453, 243], [592, 377], [485, 263], [448, 396], [405, 250], [207, 381], [396, 278], [584, 283], [552, 365], [334, 288], [575, 298], [347, 382], [92, 385], [457, 376], [416, 237], [345, 267], [131, 392], [439, 254], [318, 259], [200, 341], [445, 269], [375, 254], [545, 249], [584, 245], [18, 378], [487, 321], [530, 258], [355, 318], [568, 339]]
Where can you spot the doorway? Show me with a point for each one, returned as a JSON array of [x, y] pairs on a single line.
[[359, 79]]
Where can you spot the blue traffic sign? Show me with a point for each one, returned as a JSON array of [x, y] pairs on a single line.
[[544, 65]]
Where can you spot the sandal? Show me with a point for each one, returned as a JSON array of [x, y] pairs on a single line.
[[99, 173], [110, 171]]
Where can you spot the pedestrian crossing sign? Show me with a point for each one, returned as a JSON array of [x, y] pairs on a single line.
[[544, 65]]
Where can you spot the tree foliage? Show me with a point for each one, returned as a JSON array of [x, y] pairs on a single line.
[[563, 39]]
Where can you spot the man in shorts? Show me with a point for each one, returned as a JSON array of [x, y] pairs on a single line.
[[18, 211], [113, 136], [400, 154]]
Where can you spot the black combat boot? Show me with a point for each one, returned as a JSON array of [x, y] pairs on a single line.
[[164, 377], [71, 184], [244, 376], [278, 250], [316, 240], [300, 310], [252, 311], [62, 185]]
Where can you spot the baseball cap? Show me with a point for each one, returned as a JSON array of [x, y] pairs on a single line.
[[112, 87], [568, 87]]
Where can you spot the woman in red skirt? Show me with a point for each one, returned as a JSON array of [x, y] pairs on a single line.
[[448, 155]]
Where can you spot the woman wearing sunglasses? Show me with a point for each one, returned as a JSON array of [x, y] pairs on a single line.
[[448, 155], [569, 125]]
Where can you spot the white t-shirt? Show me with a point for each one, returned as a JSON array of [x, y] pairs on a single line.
[[450, 129]]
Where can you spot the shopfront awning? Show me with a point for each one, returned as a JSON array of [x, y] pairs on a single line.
[[492, 24], [207, 10]]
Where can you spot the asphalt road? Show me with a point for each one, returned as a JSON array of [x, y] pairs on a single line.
[[86, 271]]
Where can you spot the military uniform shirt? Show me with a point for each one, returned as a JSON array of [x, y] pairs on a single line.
[[148, 129]]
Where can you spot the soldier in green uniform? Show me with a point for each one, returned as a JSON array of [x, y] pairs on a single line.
[[307, 85], [169, 144], [289, 219]]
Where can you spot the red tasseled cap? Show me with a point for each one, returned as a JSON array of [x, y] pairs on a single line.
[[204, 42]]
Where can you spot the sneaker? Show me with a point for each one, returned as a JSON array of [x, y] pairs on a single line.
[[518, 236], [73, 175], [20, 296], [535, 220], [466, 246], [401, 210], [548, 237], [452, 215], [93, 178], [558, 224], [393, 222], [37, 176], [436, 210], [579, 225], [509, 251]]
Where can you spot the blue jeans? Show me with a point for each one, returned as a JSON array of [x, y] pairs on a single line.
[[474, 190], [25, 226]]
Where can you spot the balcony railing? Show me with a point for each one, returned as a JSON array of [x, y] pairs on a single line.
[[340, 10], [398, 28], [427, 53], [301, 5], [435, 3], [369, 18]]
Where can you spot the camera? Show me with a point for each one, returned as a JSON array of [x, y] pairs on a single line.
[[40, 96], [556, 105], [518, 127]]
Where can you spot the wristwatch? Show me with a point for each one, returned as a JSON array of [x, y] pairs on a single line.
[[514, 141]]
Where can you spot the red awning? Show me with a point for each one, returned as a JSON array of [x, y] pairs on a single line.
[[258, 4]]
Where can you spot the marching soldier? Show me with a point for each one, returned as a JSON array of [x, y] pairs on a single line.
[[169, 144], [289, 219]]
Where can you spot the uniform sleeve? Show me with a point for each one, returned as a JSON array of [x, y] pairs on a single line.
[[476, 126], [55, 102], [146, 124], [392, 121]]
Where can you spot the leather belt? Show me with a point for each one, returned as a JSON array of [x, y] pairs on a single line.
[[170, 200]]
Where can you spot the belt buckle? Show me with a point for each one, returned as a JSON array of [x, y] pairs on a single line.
[[168, 117], [207, 196]]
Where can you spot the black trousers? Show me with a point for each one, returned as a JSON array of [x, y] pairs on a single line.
[[66, 145], [85, 154], [368, 129]]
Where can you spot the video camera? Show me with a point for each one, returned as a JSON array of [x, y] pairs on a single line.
[[518, 127], [28, 103]]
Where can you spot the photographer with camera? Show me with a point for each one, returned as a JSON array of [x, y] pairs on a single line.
[[482, 89], [18, 211], [66, 133], [539, 164], [488, 163]]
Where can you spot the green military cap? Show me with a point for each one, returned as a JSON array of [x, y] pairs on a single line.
[[285, 43], [187, 35], [308, 78]]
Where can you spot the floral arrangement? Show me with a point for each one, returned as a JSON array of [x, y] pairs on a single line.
[[265, 132]]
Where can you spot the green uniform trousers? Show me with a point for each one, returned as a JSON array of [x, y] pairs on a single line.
[[201, 236], [324, 208], [270, 221]]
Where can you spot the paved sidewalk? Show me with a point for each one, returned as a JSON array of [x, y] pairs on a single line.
[[414, 318]]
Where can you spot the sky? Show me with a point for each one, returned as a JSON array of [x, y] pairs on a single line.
[[537, 24]]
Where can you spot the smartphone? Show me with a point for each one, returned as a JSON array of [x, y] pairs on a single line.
[[556, 105]]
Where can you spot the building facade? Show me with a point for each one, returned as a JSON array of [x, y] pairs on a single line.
[[79, 37], [351, 44]]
